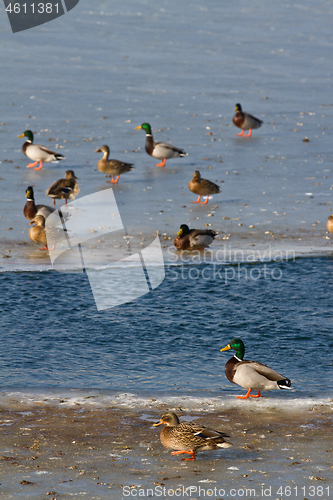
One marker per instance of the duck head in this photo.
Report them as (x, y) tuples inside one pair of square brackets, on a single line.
[(103, 149), (184, 229), (28, 134), (69, 174), (29, 193), (146, 127), (39, 220), (170, 419), (196, 176), (238, 346)]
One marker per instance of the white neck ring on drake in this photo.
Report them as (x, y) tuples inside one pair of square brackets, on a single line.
[(238, 359)]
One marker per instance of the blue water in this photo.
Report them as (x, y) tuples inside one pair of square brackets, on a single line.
[(168, 341)]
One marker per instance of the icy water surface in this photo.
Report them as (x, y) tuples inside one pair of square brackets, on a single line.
[(168, 341), (81, 388)]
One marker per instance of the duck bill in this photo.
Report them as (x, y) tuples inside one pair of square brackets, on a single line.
[(226, 348), (19, 136), (97, 151), (136, 128), (158, 423), (180, 232), (32, 222)]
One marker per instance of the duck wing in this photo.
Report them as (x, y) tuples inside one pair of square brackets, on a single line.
[(166, 150), (261, 369), (207, 433)]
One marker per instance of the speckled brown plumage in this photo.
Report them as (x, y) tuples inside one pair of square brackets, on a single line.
[(202, 187), (189, 438), (66, 188), (110, 167)]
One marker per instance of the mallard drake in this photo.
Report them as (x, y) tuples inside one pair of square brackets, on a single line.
[(36, 152), (189, 438), (329, 224), (252, 375), (193, 239), (245, 121), (30, 209), (161, 150), (202, 187), (64, 188), (37, 233), (112, 168)]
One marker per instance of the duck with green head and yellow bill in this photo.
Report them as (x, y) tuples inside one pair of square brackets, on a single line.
[(329, 224), (36, 152), (252, 375), (160, 150), (30, 209), (245, 121), (189, 438), (193, 239)]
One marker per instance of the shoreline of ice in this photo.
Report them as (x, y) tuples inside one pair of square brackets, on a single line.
[(18, 259), (99, 399)]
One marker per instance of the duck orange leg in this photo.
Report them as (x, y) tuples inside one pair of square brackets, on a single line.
[(204, 202), (114, 180), (32, 164), (249, 396), (188, 452), (45, 248), (53, 201), (40, 166), (249, 134), (241, 134), (198, 200), (162, 164)]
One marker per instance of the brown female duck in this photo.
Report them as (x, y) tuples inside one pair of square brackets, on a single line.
[(64, 188), (189, 438), (202, 187), (329, 224), (112, 168), (37, 233)]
